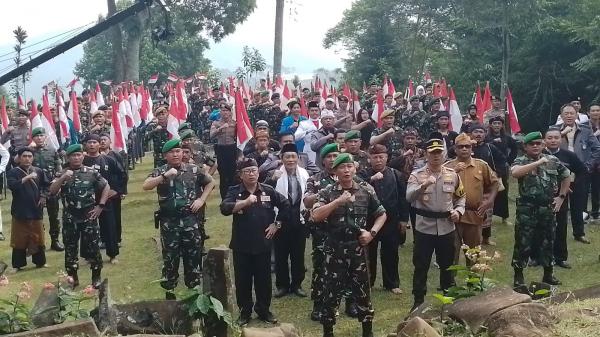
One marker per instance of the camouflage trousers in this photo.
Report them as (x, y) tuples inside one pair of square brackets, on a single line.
[(535, 227), (81, 232), (346, 268), (318, 263), (181, 238)]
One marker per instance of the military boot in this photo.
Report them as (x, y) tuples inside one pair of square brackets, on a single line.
[(519, 279), (549, 277), (328, 330), (56, 245), (351, 309), (170, 295), (315, 315), (96, 278), (367, 329)]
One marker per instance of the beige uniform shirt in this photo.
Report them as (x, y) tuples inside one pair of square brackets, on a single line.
[(445, 195)]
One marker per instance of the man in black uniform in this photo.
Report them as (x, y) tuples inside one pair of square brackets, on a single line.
[(254, 225), (109, 170)]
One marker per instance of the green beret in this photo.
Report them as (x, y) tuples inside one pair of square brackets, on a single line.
[(38, 131), (170, 145), (185, 134), (352, 134), (74, 148), (342, 158), (531, 137), (184, 126), (327, 149)]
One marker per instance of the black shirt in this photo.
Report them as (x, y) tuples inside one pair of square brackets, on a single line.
[(26, 196), (570, 160), (391, 191), (493, 157), (108, 169), (504, 143), (250, 223)]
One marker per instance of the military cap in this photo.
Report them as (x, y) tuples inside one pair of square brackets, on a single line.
[(91, 136), (435, 100), (530, 137), (38, 131), (575, 99), (434, 144), (184, 126), (74, 148), (476, 126), (398, 94), (327, 149), (342, 159), (378, 149), (463, 139), (264, 93), (443, 114), (185, 134), (496, 119), (291, 147), (246, 162), (386, 113), (352, 134), (330, 99), (98, 112), (262, 123), (171, 144)]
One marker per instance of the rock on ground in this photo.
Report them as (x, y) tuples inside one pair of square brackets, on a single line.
[(417, 327), (84, 327), (284, 330), (46, 308), (521, 320)]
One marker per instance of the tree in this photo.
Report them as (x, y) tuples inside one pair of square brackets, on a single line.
[(278, 45), (20, 35), (252, 63)]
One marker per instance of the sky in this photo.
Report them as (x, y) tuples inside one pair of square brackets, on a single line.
[(304, 31)]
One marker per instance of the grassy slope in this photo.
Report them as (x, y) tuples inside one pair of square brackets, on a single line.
[(140, 264)]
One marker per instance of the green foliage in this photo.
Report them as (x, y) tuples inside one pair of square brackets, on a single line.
[(15, 314), (207, 309), (252, 63), (70, 303)]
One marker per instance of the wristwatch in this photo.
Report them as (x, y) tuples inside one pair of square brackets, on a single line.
[(373, 233), (103, 206), (278, 224), (562, 196), (163, 176)]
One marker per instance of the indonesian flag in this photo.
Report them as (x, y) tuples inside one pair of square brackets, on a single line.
[(346, 91), (117, 137), (93, 103), (454, 110), (48, 123), (62, 116), (3, 115), (303, 109), (443, 88), (73, 112), (391, 87), (385, 86), (107, 82), (182, 103), (286, 95), (410, 90), (135, 108), (427, 78), (513, 119), (20, 103), (173, 119), (479, 103), (73, 82), (128, 114), (378, 109), (36, 121), (231, 85), (172, 77), (355, 103), (99, 96), (148, 99), (242, 123), (153, 79), (487, 98)]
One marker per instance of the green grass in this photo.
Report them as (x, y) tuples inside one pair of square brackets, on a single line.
[(140, 264)]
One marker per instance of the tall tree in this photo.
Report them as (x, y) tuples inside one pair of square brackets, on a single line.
[(278, 45)]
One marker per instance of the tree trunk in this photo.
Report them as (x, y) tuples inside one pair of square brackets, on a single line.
[(278, 45), (117, 45), (132, 50), (505, 57)]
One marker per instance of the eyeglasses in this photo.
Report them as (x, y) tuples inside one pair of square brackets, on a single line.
[(463, 146), (250, 171)]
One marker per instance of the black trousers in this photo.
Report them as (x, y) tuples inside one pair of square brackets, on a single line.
[(578, 203), (117, 211), (390, 242), (52, 207), (252, 269), (19, 257), (560, 240), (425, 246), (501, 202), (290, 243), (595, 191), (108, 233), (226, 161)]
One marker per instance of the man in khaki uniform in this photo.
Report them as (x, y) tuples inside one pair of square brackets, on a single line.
[(481, 186), (437, 197)]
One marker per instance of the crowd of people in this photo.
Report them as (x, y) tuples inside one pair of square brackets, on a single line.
[(351, 184)]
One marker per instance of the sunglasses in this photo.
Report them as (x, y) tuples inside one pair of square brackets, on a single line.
[(463, 146)]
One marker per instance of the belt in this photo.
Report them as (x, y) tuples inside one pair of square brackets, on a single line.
[(430, 214), (534, 201)]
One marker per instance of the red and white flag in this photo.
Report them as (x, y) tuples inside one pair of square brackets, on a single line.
[(454, 110), (513, 119), (242, 123), (385, 87), (135, 108), (478, 101), (62, 116), (148, 99), (427, 78), (172, 77), (410, 90), (173, 118), (303, 108), (286, 95), (123, 116), (73, 82), (117, 137), (48, 123), (4, 115), (20, 104), (378, 109), (73, 112), (355, 103), (93, 103), (99, 96), (182, 103), (36, 121), (391, 87), (487, 98), (153, 79)]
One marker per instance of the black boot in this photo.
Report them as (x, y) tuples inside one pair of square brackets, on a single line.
[(170, 295), (351, 310), (519, 279), (327, 330), (549, 277), (315, 315), (75, 278), (96, 278), (56, 245), (367, 329)]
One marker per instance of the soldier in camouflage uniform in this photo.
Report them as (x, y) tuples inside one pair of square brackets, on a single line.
[(100, 126), (48, 160), (343, 210), (352, 143), (156, 131), (275, 116), (259, 111), (388, 135), (543, 184), (199, 152), (411, 118), (85, 193), (182, 192)]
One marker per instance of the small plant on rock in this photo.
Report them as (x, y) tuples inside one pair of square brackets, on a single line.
[(14, 314), (208, 310), (474, 277)]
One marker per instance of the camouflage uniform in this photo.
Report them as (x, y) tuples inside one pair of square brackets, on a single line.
[(393, 142), (48, 160), (258, 112), (535, 219), (179, 228), (362, 158), (345, 259), (158, 138), (79, 195), (410, 119), (427, 126), (274, 117)]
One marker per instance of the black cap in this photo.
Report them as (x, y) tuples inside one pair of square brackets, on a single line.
[(291, 147)]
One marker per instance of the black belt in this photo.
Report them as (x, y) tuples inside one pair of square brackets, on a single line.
[(430, 214), (534, 201)]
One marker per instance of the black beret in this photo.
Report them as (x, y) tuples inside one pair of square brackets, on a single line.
[(91, 136), (291, 147), (313, 104), (246, 162)]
